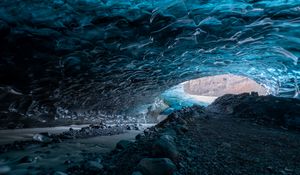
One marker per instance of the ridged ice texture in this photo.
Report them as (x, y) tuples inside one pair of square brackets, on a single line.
[(115, 54)]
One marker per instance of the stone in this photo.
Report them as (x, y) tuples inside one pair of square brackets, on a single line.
[(4, 29), (67, 162), (93, 166), (129, 127), (291, 121), (136, 127), (139, 136), (136, 173), (168, 138), (182, 128), (165, 147), (146, 131), (26, 159), (156, 166), (163, 116), (123, 144), (169, 131), (97, 126), (254, 94), (180, 120), (59, 173), (58, 2), (11, 125), (4, 169), (46, 117), (227, 145), (42, 137)]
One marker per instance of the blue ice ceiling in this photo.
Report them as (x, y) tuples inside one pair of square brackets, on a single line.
[(113, 55)]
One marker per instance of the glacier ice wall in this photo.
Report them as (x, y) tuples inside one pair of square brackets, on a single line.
[(112, 55)]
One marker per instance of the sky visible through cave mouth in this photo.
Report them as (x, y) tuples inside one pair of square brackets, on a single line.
[(112, 56)]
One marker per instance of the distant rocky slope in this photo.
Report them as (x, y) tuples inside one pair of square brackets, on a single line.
[(219, 85)]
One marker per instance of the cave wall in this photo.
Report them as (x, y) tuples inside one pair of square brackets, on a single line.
[(112, 55)]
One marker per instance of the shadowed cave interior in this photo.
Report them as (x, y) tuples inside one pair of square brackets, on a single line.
[(149, 87)]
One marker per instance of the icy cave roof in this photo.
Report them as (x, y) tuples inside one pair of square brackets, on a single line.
[(114, 55)]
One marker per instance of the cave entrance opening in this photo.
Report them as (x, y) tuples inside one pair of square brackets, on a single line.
[(203, 91), (207, 89)]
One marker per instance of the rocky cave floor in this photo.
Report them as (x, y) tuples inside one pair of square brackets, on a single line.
[(237, 134)]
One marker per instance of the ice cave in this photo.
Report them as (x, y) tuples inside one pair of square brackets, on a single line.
[(149, 87)]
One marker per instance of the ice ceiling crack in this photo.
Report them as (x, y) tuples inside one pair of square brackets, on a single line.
[(111, 56)]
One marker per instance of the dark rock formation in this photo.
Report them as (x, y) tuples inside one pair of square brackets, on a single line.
[(156, 166), (165, 147), (123, 144), (268, 110), (222, 139), (43, 138)]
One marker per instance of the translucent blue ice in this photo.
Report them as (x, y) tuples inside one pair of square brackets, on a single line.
[(115, 54)]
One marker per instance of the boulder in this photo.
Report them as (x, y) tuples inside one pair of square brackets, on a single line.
[(165, 147), (139, 136), (137, 173), (156, 166), (42, 137), (26, 159), (123, 144), (169, 131), (182, 129), (93, 166), (60, 173), (4, 169)]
